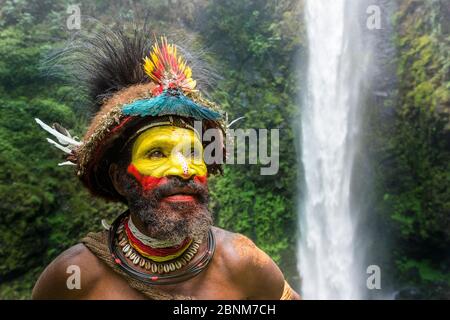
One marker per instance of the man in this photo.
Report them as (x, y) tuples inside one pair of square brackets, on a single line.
[(144, 148)]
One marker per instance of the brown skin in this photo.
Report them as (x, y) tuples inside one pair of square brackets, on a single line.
[(238, 270)]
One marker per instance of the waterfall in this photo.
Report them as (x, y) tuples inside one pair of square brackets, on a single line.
[(329, 259)]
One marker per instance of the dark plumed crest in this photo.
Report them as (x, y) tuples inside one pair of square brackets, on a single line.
[(114, 62)]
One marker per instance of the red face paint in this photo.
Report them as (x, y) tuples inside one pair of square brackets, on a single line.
[(147, 182), (200, 179)]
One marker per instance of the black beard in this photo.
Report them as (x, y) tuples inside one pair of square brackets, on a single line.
[(171, 221)]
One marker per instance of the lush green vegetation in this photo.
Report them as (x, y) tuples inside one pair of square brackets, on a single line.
[(253, 45), (413, 150)]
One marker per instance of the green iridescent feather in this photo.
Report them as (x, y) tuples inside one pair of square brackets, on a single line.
[(170, 102)]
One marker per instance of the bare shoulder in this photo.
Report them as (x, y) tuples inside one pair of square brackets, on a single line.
[(56, 282), (249, 265)]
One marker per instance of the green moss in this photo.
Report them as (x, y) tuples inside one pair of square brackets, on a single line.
[(427, 271)]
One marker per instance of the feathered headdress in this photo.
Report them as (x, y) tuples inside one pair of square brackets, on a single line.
[(164, 93), (173, 82), (167, 69)]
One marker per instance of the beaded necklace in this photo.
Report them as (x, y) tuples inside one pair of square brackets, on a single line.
[(183, 264)]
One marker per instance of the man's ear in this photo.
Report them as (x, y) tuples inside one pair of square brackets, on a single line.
[(114, 175)]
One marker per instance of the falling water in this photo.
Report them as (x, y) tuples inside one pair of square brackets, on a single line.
[(329, 261)]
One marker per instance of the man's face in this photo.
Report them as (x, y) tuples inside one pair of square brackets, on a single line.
[(165, 184), (167, 151)]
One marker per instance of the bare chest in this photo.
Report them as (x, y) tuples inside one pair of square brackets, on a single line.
[(212, 283)]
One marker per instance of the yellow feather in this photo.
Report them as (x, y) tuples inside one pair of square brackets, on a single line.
[(148, 64), (174, 51), (154, 58), (188, 72), (181, 66)]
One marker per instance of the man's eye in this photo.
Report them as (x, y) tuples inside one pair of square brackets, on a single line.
[(155, 154)]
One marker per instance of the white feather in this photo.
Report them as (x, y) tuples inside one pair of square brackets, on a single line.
[(61, 138), (60, 147), (66, 163), (105, 224), (234, 121)]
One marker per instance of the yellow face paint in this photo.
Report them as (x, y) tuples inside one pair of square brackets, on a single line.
[(168, 151)]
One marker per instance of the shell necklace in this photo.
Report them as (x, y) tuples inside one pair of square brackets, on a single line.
[(155, 259), (153, 272)]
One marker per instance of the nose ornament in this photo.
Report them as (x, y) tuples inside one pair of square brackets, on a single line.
[(184, 163)]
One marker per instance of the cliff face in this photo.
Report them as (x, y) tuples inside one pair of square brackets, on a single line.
[(423, 66), (410, 140)]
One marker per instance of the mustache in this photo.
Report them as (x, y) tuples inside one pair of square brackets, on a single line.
[(177, 185)]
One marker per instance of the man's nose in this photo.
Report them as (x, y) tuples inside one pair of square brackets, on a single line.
[(180, 166)]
